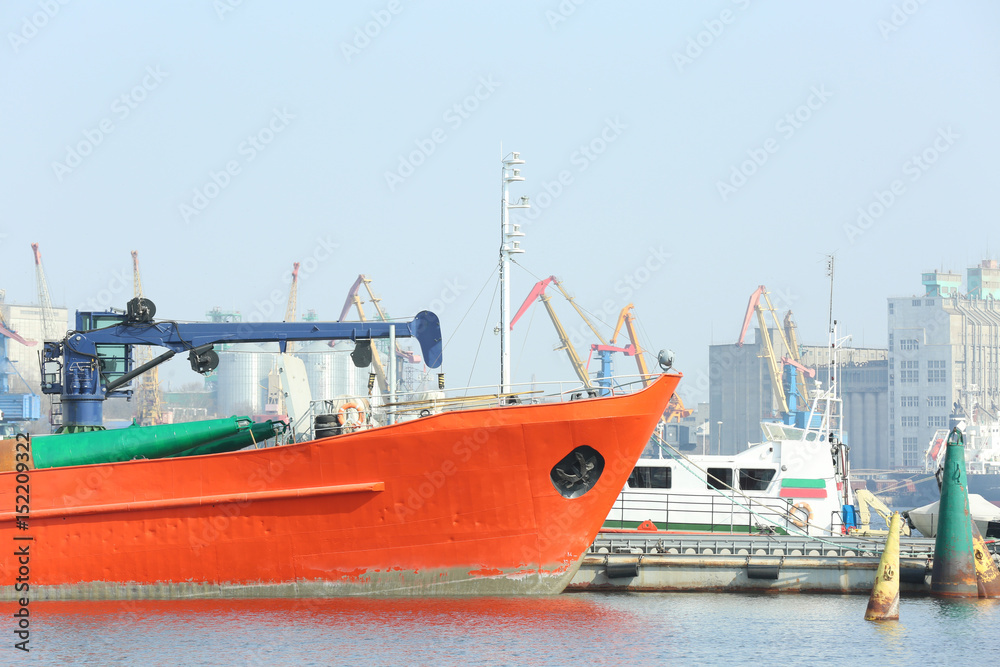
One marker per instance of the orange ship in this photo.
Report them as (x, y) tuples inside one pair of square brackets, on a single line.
[(500, 500)]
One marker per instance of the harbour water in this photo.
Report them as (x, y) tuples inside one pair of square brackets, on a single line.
[(578, 629)]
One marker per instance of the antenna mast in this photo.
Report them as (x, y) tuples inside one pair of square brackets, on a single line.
[(509, 245)]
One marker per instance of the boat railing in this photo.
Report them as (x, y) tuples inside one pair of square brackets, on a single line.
[(347, 413), (705, 513)]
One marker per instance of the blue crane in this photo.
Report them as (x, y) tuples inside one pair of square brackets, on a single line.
[(94, 362)]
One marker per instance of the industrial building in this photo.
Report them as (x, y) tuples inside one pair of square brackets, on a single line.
[(944, 355), (28, 321), (864, 386), (741, 395)]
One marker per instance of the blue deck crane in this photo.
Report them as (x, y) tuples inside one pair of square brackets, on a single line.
[(94, 362)]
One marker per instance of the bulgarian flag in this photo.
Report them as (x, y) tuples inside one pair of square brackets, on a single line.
[(803, 488)]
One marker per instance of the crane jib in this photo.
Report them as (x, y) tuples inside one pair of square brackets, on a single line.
[(91, 363)]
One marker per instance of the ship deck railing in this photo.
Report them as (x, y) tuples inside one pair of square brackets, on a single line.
[(382, 409), (841, 546), (725, 511)]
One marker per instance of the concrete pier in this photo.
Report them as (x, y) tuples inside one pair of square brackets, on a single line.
[(694, 562)]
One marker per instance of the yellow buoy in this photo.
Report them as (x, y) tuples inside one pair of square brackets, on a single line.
[(883, 605), (987, 574)]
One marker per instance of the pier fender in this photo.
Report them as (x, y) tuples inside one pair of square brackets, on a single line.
[(914, 575), (622, 569), (764, 570)]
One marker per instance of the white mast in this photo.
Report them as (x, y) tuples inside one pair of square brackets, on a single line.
[(509, 245)]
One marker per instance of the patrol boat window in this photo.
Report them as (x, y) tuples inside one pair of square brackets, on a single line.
[(756, 479), (720, 478), (648, 477)]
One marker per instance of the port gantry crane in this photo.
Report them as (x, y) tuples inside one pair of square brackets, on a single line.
[(148, 409), (293, 298), (538, 292), (792, 401), (354, 299), (675, 408), (50, 328)]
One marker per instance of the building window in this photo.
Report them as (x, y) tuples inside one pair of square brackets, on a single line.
[(890, 308), (908, 344), (937, 421), (909, 401), (720, 478), (928, 302), (912, 421), (650, 478), (915, 302), (936, 401), (910, 452), (756, 479), (909, 373), (936, 371)]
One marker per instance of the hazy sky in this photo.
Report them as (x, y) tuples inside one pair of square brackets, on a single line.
[(704, 148)]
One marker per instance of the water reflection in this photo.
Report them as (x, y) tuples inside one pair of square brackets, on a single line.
[(589, 628), (963, 609), (514, 630)]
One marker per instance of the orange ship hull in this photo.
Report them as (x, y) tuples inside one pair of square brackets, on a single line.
[(462, 502)]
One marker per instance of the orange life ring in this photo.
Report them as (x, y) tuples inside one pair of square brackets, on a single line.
[(794, 514), (344, 417)]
